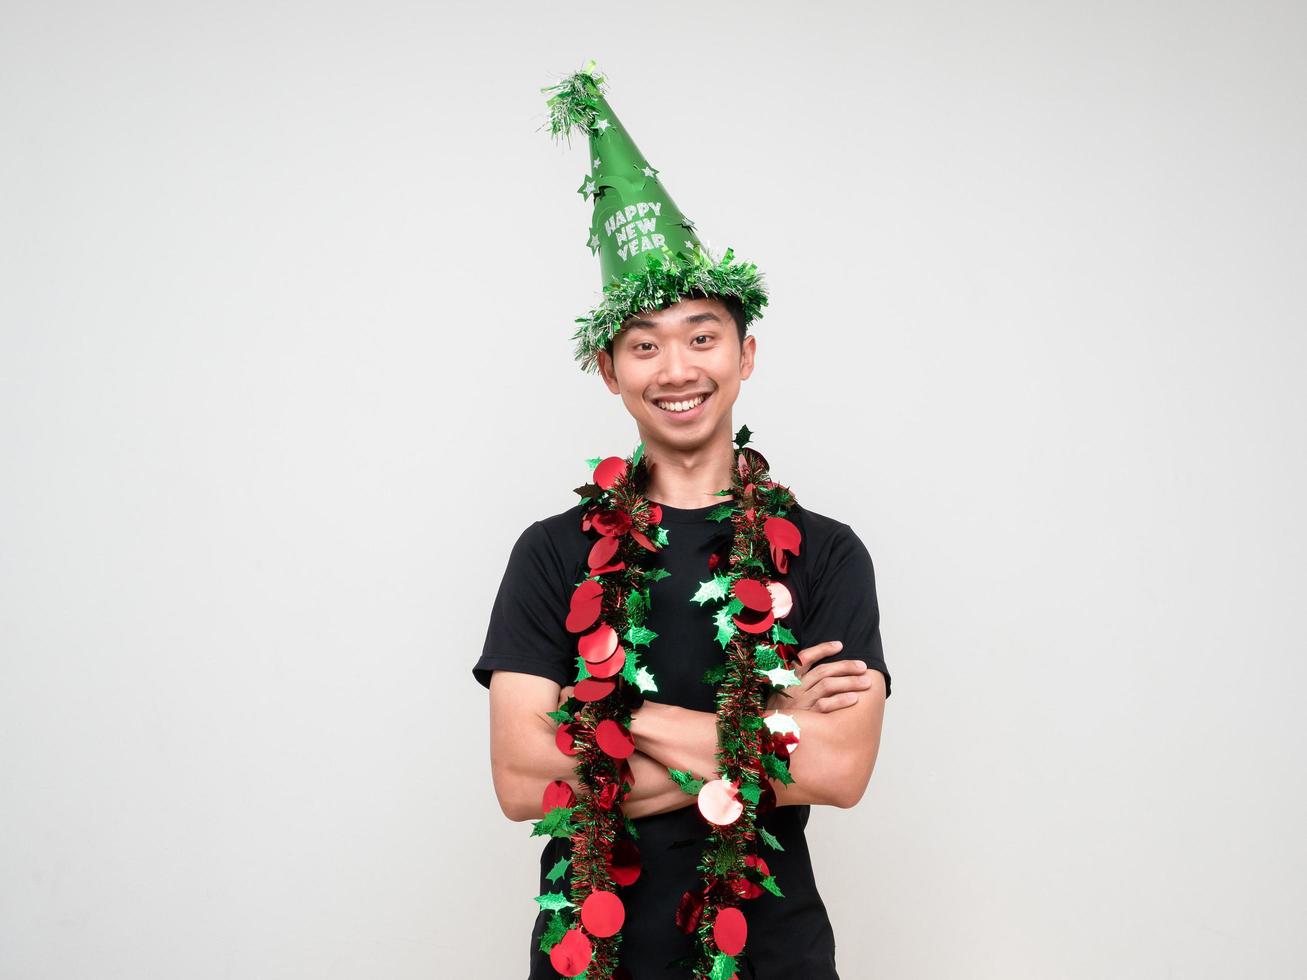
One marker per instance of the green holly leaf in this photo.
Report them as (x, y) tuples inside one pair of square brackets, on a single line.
[(553, 901), (751, 792), (644, 680), (639, 636), (560, 715), (582, 671), (588, 490), (592, 463), (781, 635), (726, 858), (656, 574), (715, 675), (770, 884), (725, 634), (721, 512), (768, 838), (715, 589), (725, 627), (556, 823), (777, 768), (637, 602), (723, 967), (630, 827), (765, 657), (555, 931), (559, 869), (743, 436), (629, 666), (686, 780), (781, 677), (660, 536), (635, 456)]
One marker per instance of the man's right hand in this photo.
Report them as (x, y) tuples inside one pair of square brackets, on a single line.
[(825, 687)]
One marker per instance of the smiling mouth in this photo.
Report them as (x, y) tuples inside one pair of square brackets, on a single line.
[(683, 406)]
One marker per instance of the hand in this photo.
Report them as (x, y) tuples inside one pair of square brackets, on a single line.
[(825, 687), (564, 694)]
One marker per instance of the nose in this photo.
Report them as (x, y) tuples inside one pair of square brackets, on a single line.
[(676, 369)]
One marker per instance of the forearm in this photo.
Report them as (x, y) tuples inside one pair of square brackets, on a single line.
[(824, 767), (525, 762), (653, 790), (535, 760), (676, 737)]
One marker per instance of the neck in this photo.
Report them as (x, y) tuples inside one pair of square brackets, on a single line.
[(690, 478)]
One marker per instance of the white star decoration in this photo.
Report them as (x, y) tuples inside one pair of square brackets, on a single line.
[(590, 187), (596, 162), (649, 171), (601, 124), (594, 241)]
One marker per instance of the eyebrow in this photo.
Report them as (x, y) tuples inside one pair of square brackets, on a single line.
[(639, 324)]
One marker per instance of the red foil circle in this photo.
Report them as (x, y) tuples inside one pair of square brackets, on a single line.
[(756, 625), (753, 594), (602, 551), (625, 864), (602, 914), (558, 793), (613, 739), (719, 802), (571, 954), (781, 600), (587, 602), (598, 645), (563, 739), (592, 689), (609, 471), (610, 667), (730, 930)]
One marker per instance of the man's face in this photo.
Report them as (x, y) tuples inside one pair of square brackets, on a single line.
[(688, 354)]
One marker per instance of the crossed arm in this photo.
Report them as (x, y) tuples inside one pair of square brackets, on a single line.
[(839, 708)]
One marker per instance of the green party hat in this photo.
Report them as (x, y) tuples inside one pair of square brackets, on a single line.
[(649, 254)]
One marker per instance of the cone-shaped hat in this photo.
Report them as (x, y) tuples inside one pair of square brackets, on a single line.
[(649, 255)]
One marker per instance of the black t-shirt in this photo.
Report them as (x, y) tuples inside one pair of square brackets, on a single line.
[(833, 585)]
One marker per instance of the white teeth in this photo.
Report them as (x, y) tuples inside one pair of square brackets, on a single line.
[(680, 406)]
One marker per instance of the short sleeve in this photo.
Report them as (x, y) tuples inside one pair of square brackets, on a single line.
[(843, 604), (527, 632)]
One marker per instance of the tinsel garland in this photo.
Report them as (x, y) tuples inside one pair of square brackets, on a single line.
[(608, 611)]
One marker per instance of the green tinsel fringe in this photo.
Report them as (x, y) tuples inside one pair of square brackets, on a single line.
[(573, 105), (664, 281)]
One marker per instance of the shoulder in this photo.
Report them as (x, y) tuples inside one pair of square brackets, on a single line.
[(554, 543), (562, 531), (821, 532)]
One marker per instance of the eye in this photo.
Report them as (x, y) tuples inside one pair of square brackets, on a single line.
[(704, 336), (644, 344)]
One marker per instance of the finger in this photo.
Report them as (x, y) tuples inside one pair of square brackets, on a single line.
[(834, 668), (837, 701), (809, 655), (838, 685)]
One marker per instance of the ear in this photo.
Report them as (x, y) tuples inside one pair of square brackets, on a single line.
[(747, 352), (607, 371)]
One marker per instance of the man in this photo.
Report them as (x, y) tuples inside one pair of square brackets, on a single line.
[(678, 366)]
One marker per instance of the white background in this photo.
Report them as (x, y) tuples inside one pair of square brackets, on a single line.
[(285, 296)]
